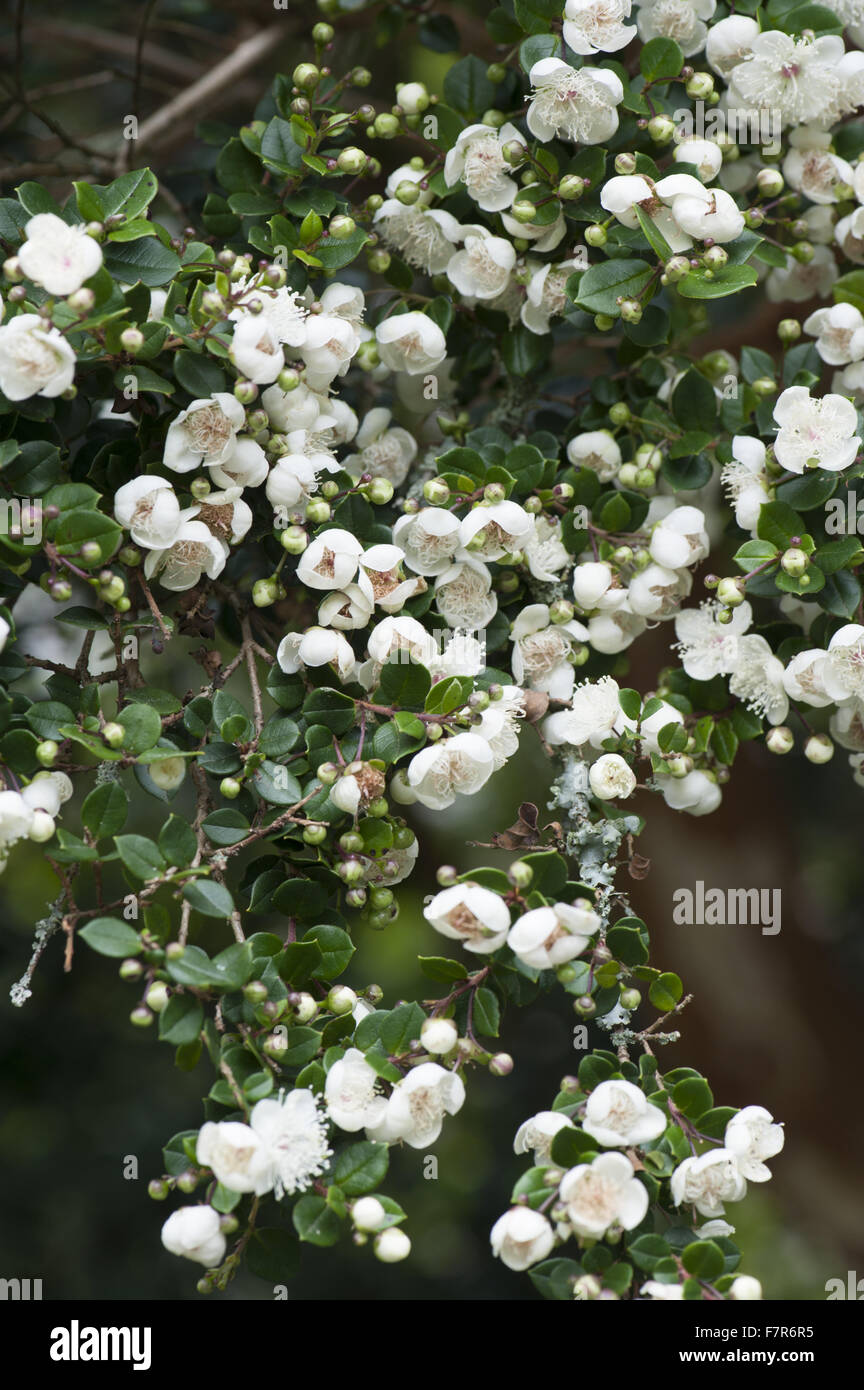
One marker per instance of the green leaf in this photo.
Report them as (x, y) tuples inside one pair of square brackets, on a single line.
[(142, 727), (140, 856), (604, 284), (660, 58), (178, 842), (405, 683), (441, 968), (467, 88), (146, 260), (198, 374), (692, 1096), (778, 523), (209, 898), (703, 1259), (360, 1168), (693, 402), (111, 937), (487, 1013), (181, 1020), (104, 810), (728, 280), (336, 949), (535, 16), (666, 991), (445, 696), (523, 351), (314, 1221)]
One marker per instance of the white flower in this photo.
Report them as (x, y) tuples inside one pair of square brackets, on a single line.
[(802, 678), (708, 1181), (535, 1135), (611, 777), (797, 282), (429, 539), (380, 578), (168, 773), (350, 1093), (291, 481), (410, 343), (332, 339), (544, 551), (546, 292), (810, 167), (255, 349), (602, 1194), (541, 651), (16, 818), (463, 595), (317, 646), (331, 560), (149, 510), (385, 450), (458, 765), (839, 333), (195, 1233), (226, 514), (346, 609), (594, 714), (617, 1114), (681, 20), (245, 466), (300, 409), (423, 237), (204, 433), (5, 629), (596, 26), (494, 530), (193, 550), (47, 792), (284, 310), (482, 269), (597, 450), (230, 1148), (550, 936), (701, 212), (752, 1136), (573, 104), (624, 192), (417, 1105), (745, 1289), (34, 360), (729, 42), (477, 161), (696, 793), (499, 724), (802, 80), (544, 236), (757, 679), (680, 538), (843, 670), (293, 1142), (745, 480), (398, 634), (521, 1237), (709, 648), (471, 914), (58, 257), (656, 591), (704, 154), (439, 1036), (611, 633)]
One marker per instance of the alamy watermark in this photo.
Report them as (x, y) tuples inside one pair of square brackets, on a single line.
[(742, 125), (722, 907)]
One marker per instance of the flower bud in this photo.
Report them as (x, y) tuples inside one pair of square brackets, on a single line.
[(439, 1035), (157, 996), (570, 188), (368, 1214), (341, 1000), (780, 739), (391, 1246), (731, 592), (501, 1064), (819, 749)]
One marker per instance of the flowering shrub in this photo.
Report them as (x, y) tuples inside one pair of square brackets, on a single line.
[(336, 445)]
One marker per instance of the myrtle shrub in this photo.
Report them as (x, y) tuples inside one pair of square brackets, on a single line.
[(406, 453)]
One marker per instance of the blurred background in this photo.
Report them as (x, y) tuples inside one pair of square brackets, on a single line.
[(774, 1021)]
